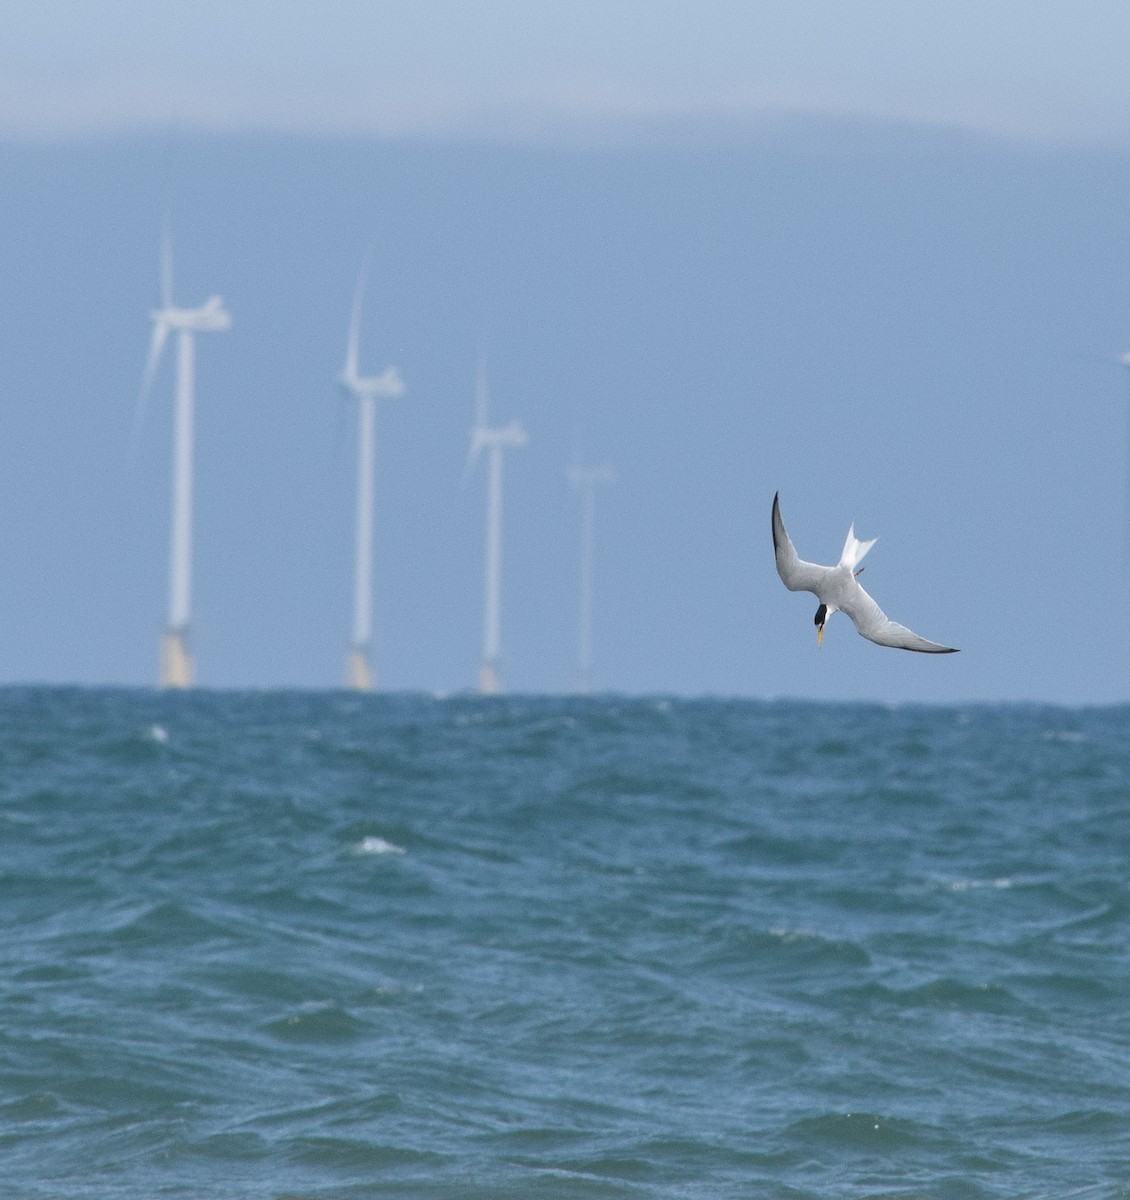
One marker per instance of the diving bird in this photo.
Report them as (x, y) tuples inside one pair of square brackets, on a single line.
[(838, 590)]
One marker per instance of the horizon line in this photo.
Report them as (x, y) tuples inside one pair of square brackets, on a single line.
[(469, 692), (564, 129)]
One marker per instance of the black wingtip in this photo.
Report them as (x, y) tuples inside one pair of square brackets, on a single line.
[(776, 513)]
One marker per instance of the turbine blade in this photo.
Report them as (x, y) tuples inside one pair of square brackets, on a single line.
[(166, 268), (482, 396), (352, 345), (473, 452), (341, 422), (156, 346)]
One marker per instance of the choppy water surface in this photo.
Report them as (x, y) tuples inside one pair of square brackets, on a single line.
[(282, 946)]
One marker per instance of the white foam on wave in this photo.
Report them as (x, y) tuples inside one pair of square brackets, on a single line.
[(378, 845), (157, 733), (972, 885)]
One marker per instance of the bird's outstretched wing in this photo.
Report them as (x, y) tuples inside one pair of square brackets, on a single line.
[(870, 621), (796, 574)]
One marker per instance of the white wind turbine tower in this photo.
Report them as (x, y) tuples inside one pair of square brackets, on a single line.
[(177, 668), (494, 441), (586, 480), (365, 389)]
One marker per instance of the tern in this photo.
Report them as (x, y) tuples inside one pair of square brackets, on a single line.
[(838, 590)]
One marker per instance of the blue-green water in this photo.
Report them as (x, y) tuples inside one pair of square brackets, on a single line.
[(318, 946)]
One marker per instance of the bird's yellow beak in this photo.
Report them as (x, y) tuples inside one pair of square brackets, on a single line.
[(819, 634)]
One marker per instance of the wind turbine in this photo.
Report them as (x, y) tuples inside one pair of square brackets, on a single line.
[(365, 389), (177, 668), (586, 480), (494, 441)]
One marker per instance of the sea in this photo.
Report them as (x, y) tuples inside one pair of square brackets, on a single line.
[(320, 946)]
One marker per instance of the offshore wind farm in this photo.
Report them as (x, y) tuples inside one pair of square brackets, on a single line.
[(177, 666)]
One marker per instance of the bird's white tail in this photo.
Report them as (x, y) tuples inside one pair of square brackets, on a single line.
[(854, 549)]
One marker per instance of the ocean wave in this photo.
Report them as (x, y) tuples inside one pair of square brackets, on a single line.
[(780, 950), (945, 993), (371, 844), (867, 1133), (317, 1022)]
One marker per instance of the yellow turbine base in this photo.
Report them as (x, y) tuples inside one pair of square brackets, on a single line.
[(489, 684), (359, 671), (177, 667)]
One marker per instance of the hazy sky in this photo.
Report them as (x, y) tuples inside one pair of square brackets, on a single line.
[(1030, 68), (877, 309)]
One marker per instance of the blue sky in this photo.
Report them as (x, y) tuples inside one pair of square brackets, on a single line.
[(871, 255), (1025, 68)]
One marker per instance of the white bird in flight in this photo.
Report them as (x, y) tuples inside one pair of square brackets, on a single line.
[(838, 590)]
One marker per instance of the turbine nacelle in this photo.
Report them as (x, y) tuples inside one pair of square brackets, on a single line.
[(210, 317), (510, 435), (213, 317), (388, 383), (487, 439)]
